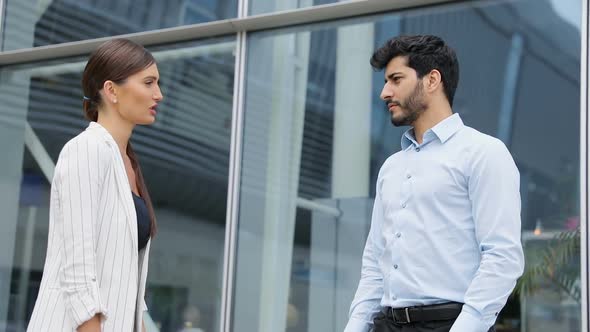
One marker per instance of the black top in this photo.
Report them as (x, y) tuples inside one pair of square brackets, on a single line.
[(143, 221)]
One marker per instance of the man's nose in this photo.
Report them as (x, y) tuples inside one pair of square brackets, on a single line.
[(386, 93)]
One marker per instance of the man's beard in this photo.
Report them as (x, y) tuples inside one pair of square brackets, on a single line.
[(411, 108)]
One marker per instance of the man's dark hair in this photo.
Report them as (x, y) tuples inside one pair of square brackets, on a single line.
[(424, 53)]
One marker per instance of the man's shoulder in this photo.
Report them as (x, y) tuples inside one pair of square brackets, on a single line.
[(390, 160), (481, 146), (396, 156), (478, 139)]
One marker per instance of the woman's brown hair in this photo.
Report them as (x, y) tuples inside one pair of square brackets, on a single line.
[(116, 60)]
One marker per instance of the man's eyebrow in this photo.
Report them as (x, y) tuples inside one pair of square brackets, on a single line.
[(151, 77), (390, 76)]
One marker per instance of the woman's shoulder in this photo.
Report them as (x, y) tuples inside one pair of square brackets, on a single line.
[(86, 146), (87, 140), (85, 154)]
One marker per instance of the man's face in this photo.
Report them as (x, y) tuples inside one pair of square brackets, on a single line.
[(403, 93)]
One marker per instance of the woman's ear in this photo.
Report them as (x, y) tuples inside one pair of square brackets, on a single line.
[(110, 91)]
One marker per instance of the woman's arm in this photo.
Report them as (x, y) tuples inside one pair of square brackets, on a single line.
[(92, 325), (79, 176)]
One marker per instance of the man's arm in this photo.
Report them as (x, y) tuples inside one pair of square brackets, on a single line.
[(370, 289), (494, 184)]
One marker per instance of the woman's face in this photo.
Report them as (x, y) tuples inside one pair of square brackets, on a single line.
[(138, 97)]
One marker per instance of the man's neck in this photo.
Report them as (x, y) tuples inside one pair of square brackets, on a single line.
[(428, 119)]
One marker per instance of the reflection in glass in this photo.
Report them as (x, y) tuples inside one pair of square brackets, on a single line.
[(36, 23), (269, 6), (185, 160), (316, 135), (31, 236)]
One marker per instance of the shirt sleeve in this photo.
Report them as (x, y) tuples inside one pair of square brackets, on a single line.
[(494, 183), (78, 185), (367, 300)]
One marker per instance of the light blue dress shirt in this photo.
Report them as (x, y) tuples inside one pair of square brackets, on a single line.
[(445, 227)]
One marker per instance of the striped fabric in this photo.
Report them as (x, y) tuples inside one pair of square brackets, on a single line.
[(92, 264)]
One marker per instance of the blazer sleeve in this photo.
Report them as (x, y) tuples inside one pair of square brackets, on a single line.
[(79, 179)]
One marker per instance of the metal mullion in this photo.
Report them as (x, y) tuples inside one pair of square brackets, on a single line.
[(2, 23), (233, 190), (233, 186), (584, 142)]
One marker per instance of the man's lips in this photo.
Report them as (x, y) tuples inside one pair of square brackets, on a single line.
[(390, 106)]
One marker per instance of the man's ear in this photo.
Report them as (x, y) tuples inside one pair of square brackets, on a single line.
[(433, 80)]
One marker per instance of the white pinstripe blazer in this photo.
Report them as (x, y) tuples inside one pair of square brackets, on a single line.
[(92, 264)]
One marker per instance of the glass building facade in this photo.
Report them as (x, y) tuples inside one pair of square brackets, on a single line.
[(263, 160)]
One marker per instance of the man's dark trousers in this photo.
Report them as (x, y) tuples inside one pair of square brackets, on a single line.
[(384, 323)]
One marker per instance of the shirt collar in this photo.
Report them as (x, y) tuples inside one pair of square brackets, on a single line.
[(443, 130), (103, 131)]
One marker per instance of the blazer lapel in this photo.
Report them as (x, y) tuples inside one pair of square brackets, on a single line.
[(122, 182)]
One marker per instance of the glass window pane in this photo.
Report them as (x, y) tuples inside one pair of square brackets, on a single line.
[(184, 158), (270, 6), (30, 23), (316, 134), (12, 145), (30, 238)]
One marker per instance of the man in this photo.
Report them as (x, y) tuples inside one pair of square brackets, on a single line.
[(443, 252)]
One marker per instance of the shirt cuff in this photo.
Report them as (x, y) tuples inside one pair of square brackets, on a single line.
[(357, 325), (84, 303), (469, 321)]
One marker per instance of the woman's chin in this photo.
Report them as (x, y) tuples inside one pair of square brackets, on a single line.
[(147, 121)]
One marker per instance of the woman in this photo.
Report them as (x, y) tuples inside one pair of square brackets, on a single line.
[(101, 216)]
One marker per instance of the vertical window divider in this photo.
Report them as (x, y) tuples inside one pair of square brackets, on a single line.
[(584, 248), (2, 23), (233, 189)]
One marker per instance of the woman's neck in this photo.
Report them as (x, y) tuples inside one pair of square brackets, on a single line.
[(119, 129)]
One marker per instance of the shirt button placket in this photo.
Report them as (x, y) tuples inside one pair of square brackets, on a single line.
[(407, 185)]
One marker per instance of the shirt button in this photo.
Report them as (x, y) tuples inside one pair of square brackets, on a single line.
[(417, 149), (398, 234), (404, 205), (409, 176), (395, 266)]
